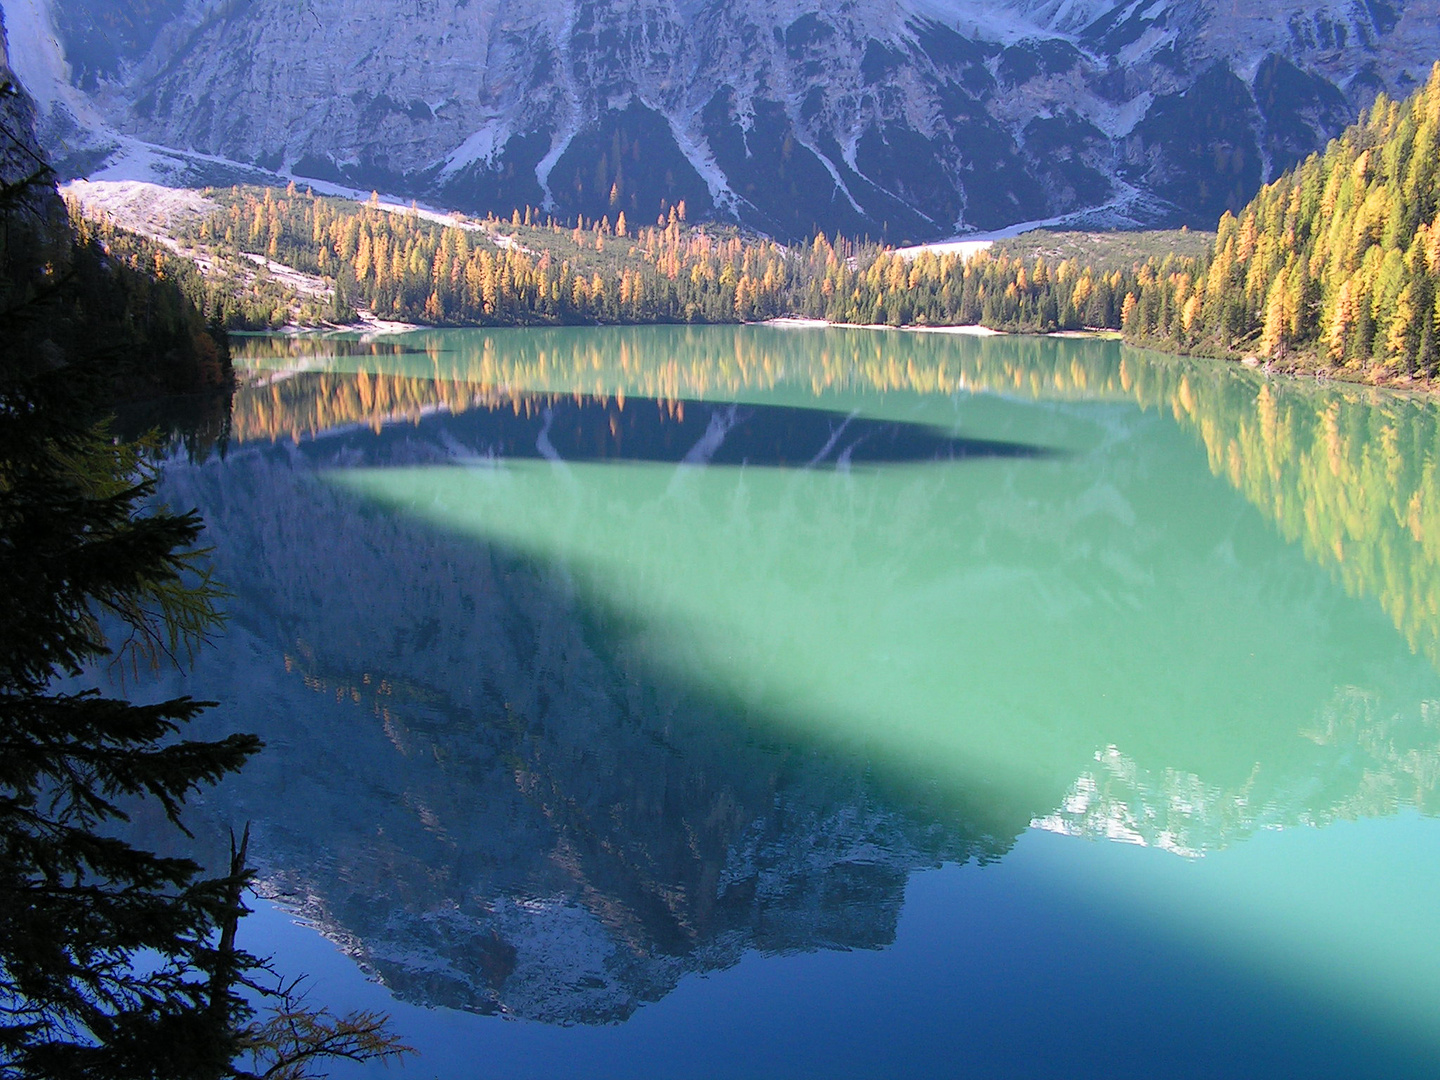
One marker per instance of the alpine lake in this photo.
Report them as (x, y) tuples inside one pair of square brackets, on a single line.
[(739, 702)]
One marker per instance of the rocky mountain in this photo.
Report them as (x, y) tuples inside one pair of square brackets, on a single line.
[(24, 176), (904, 118), (18, 152)]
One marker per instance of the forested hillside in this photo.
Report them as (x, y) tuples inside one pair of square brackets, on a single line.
[(526, 272), (1334, 266), (76, 288)]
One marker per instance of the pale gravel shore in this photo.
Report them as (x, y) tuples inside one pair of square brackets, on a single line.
[(789, 323), (367, 325), (370, 325), (969, 330), (966, 249)]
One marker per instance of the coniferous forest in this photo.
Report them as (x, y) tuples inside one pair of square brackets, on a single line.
[(527, 272), (1333, 266)]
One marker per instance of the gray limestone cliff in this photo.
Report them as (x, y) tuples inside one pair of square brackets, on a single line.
[(909, 119)]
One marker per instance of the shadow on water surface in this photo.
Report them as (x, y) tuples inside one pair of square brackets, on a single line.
[(581, 428), (544, 744)]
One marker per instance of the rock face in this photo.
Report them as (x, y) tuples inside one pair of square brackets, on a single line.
[(21, 156), (903, 118)]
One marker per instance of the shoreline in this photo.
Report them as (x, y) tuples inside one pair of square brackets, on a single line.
[(371, 326), (791, 322), (368, 324)]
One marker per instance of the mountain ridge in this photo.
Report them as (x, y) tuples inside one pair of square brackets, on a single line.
[(903, 119)]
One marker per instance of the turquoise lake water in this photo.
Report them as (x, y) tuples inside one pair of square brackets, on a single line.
[(750, 702)]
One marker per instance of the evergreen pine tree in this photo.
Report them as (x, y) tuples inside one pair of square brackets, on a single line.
[(114, 961), (81, 555)]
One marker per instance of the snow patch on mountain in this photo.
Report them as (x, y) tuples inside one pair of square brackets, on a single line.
[(703, 162), (480, 148), (985, 23)]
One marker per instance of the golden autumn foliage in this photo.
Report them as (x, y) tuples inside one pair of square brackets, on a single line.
[(1332, 267), (454, 271)]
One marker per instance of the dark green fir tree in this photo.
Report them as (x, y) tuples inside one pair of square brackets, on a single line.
[(115, 962)]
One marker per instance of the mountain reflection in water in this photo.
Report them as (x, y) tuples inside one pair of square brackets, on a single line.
[(544, 738), (583, 428)]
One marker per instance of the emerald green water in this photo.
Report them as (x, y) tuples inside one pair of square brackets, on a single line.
[(625, 683)]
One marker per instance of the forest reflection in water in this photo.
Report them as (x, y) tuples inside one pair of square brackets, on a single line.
[(606, 721), (1351, 473)]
